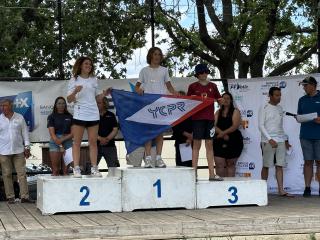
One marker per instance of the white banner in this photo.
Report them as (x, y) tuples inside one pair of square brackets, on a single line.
[(34, 100), (249, 95)]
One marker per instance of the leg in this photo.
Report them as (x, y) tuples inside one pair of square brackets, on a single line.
[(279, 177), (318, 172), (195, 152), (231, 167), (210, 159), (159, 144), (92, 139), (19, 162), (111, 156), (77, 132), (220, 166), (55, 158), (308, 172), (6, 165), (264, 173), (147, 148)]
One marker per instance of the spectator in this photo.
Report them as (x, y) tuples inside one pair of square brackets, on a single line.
[(59, 126), (228, 142), (274, 142), (108, 129), (14, 149), (310, 132), (182, 133), (154, 79), (203, 121)]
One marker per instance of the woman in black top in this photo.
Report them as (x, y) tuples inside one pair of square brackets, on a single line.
[(59, 125), (228, 141)]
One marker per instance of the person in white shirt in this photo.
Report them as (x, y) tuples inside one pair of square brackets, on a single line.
[(154, 79), (14, 149), (83, 92), (274, 141)]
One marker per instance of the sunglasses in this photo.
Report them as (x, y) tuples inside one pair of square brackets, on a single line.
[(202, 72)]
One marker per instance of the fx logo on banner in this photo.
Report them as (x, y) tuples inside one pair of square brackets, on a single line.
[(22, 103)]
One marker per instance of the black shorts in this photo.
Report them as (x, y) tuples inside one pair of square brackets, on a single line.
[(202, 129), (84, 123)]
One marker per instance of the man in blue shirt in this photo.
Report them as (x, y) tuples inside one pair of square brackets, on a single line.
[(310, 131)]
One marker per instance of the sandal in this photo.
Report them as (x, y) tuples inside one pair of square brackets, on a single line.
[(215, 178)]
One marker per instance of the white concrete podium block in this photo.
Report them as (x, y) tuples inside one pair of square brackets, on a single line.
[(69, 194), (231, 191), (148, 188)]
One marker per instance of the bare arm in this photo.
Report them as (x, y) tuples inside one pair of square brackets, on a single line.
[(138, 88), (72, 97), (171, 89)]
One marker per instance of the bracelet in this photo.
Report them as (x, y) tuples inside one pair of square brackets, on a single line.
[(27, 147)]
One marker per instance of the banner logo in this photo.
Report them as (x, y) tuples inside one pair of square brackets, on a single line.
[(23, 104)]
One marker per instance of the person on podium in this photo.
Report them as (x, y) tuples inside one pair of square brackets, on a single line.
[(154, 79), (274, 141), (203, 121), (14, 149), (83, 92)]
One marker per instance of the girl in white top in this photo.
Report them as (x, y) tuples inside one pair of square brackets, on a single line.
[(154, 79), (83, 91)]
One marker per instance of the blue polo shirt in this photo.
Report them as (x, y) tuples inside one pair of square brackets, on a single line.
[(308, 104)]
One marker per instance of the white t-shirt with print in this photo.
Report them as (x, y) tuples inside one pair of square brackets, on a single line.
[(154, 80), (85, 106)]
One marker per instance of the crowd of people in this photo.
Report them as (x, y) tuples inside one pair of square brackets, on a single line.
[(219, 130)]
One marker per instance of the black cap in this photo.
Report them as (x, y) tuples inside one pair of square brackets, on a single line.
[(309, 80), (200, 68)]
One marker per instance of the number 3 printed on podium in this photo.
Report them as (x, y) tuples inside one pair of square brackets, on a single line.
[(233, 190), (83, 200)]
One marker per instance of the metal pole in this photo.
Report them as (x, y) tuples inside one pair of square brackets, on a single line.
[(59, 19), (152, 21)]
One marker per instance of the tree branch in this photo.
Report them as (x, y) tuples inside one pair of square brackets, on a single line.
[(303, 55)]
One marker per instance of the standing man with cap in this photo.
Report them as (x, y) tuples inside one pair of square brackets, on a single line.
[(310, 131), (203, 121), (14, 149)]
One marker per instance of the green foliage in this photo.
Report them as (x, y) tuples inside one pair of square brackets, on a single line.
[(108, 31), (261, 37)]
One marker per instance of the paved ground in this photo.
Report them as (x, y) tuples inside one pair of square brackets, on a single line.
[(283, 218)]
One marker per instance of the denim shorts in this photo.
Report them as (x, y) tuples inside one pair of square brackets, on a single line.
[(310, 149), (53, 147)]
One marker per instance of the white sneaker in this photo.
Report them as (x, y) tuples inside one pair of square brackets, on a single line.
[(147, 162), (160, 163), (95, 172), (77, 172)]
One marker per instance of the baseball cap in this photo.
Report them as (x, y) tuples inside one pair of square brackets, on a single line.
[(201, 68), (309, 80)]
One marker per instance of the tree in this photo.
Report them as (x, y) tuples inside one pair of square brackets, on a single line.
[(108, 31), (247, 36)]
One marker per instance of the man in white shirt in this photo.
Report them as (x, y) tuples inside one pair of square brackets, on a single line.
[(274, 141), (14, 149)]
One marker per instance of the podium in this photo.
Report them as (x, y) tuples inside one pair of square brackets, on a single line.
[(150, 188), (128, 189), (231, 191), (69, 194)]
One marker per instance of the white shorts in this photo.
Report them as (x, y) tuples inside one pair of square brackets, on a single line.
[(273, 156)]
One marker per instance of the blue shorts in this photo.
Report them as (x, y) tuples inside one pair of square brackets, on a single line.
[(53, 147), (310, 149)]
